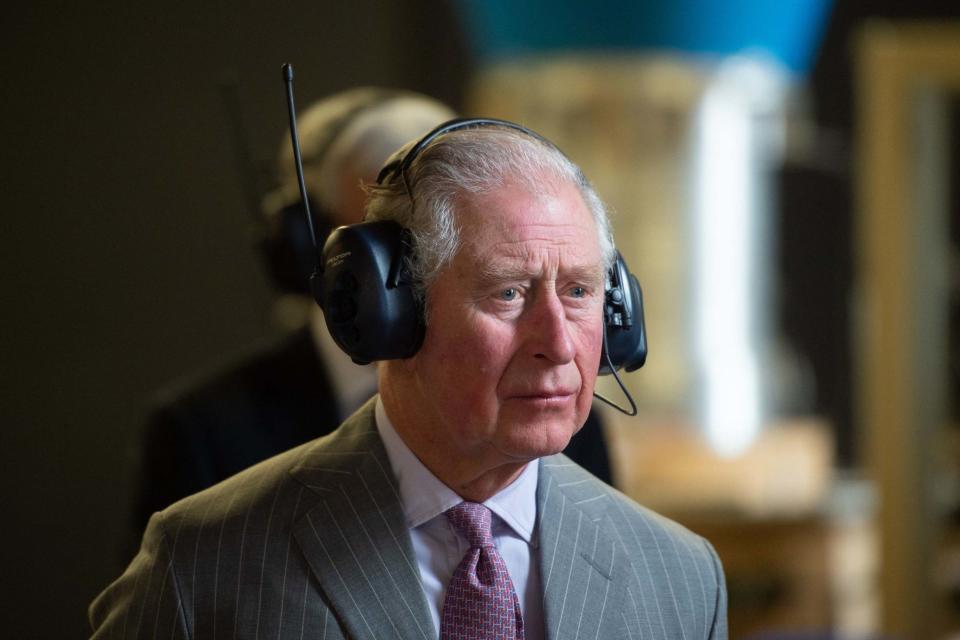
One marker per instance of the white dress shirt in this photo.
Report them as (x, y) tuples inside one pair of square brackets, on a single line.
[(438, 546)]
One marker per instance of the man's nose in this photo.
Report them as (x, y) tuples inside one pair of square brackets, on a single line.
[(549, 329)]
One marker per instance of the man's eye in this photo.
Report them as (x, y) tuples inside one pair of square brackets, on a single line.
[(508, 294), (578, 292)]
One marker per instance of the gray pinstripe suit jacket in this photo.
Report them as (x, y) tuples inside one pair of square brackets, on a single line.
[(313, 544)]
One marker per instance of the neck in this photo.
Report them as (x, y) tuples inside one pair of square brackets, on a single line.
[(475, 475), (488, 484)]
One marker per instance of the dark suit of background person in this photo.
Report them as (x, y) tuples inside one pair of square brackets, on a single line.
[(278, 395), (314, 543)]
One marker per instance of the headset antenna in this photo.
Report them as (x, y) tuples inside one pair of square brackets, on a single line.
[(295, 142)]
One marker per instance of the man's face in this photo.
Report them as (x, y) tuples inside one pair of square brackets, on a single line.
[(514, 327)]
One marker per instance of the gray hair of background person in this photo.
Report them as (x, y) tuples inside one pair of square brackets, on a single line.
[(473, 161), (353, 130)]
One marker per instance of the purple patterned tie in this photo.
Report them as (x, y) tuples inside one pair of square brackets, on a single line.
[(480, 603)]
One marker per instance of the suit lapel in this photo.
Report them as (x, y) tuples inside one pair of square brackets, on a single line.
[(581, 573), (355, 536)]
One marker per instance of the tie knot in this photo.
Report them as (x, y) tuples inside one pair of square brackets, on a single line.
[(472, 520)]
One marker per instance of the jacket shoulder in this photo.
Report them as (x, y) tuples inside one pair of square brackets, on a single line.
[(635, 526), (664, 566)]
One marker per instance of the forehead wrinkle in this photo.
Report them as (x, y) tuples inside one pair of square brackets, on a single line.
[(527, 267), (516, 239), (552, 232), (532, 238)]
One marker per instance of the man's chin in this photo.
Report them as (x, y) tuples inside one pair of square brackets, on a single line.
[(536, 439)]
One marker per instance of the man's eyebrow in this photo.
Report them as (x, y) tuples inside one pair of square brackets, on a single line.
[(495, 273), (584, 274), (498, 272)]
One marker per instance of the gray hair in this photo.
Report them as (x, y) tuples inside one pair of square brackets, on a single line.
[(473, 161)]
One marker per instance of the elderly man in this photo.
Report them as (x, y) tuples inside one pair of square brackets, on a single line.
[(442, 507)]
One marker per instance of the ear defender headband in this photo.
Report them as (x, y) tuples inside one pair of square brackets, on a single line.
[(400, 166), (367, 293)]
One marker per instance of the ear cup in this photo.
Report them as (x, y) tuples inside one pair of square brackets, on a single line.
[(367, 295), (625, 331), (288, 250)]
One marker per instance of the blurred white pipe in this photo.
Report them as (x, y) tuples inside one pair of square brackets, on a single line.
[(737, 136)]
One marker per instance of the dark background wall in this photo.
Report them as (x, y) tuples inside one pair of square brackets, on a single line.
[(127, 250)]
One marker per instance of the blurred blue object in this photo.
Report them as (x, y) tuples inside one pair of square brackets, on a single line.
[(787, 30)]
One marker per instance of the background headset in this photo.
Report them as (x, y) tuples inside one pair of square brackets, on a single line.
[(287, 245), (366, 292)]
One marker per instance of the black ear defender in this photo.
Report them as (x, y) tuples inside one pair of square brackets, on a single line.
[(625, 334), (367, 295), (286, 247), (366, 292)]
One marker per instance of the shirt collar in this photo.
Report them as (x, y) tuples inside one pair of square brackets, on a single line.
[(424, 496)]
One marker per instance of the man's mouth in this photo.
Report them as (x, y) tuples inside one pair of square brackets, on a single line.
[(546, 395)]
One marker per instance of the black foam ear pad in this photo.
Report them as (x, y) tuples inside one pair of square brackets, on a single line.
[(366, 293), (625, 331)]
